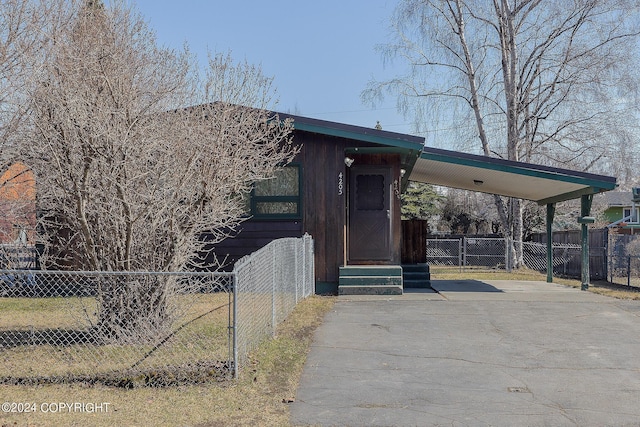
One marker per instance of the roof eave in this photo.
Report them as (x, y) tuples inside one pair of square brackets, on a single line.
[(583, 183), (357, 133)]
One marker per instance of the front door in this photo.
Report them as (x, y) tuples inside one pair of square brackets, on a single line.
[(370, 214)]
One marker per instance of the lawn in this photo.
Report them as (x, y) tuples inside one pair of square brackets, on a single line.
[(47, 338)]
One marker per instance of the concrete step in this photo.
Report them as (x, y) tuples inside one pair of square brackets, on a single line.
[(369, 290), (370, 280), (416, 276), (415, 268), (417, 284), (371, 270)]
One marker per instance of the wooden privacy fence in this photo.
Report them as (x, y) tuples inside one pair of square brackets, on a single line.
[(414, 241), (598, 251)]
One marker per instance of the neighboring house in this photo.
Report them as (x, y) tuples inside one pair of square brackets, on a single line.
[(344, 188), (17, 205), (17, 217), (622, 210)]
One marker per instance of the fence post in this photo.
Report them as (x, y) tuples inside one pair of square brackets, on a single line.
[(273, 291), (312, 266), (296, 248), (235, 325), (629, 270), (464, 253), (605, 243), (506, 253), (303, 247)]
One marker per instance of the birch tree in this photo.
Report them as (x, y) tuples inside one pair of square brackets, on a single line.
[(137, 156), (542, 81)]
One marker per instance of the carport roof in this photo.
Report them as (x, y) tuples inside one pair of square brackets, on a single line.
[(542, 184)]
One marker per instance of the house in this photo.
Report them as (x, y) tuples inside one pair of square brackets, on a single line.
[(344, 189), (17, 217), (622, 210), (17, 205)]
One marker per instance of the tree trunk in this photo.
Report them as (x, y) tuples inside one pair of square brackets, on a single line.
[(133, 309)]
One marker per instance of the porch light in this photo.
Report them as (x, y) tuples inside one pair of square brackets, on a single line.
[(348, 161)]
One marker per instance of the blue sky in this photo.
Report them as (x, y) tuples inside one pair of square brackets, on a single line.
[(320, 53)]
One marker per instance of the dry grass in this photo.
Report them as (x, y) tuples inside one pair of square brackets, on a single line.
[(260, 396), (201, 333)]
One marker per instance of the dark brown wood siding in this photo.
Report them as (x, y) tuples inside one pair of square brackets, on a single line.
[(252, 235), (323, 207), (414, 241)]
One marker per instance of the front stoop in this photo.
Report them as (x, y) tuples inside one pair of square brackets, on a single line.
[(370, 280)]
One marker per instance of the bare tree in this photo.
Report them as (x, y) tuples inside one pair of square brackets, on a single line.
[(21, 43), (137, 157), (18, 38), (541, 79)]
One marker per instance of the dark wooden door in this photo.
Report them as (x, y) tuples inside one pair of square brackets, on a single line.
[(370, 214)]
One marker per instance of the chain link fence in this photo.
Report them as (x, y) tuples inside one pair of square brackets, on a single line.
[(270, 283), (617, 260), (624, 270), (115, 328), (489, 253), (134, 329), (446, 252), (567, 258), (485, 252), (624, 260)]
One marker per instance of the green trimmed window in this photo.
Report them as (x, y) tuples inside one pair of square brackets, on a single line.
[(279, 197)]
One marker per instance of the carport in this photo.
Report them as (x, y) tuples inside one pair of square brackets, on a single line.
[(541, 184)]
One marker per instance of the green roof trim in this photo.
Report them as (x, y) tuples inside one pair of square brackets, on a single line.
[(572, 195), (600, 182), (357, 133)]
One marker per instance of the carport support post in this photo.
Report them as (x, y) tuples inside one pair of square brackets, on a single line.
[(585, 210), (551, 210)]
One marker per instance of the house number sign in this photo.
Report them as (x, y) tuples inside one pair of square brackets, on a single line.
[(340, 184)]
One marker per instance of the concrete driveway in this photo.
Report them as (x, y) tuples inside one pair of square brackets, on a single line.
[(499, 353)]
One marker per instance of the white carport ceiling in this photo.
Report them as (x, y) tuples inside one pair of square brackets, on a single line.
[(507, 178)]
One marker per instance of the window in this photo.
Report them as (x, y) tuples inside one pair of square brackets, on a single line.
[(279, 197), (627, 213)]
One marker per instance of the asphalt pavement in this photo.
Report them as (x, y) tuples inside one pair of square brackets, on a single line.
[(474, 353)]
